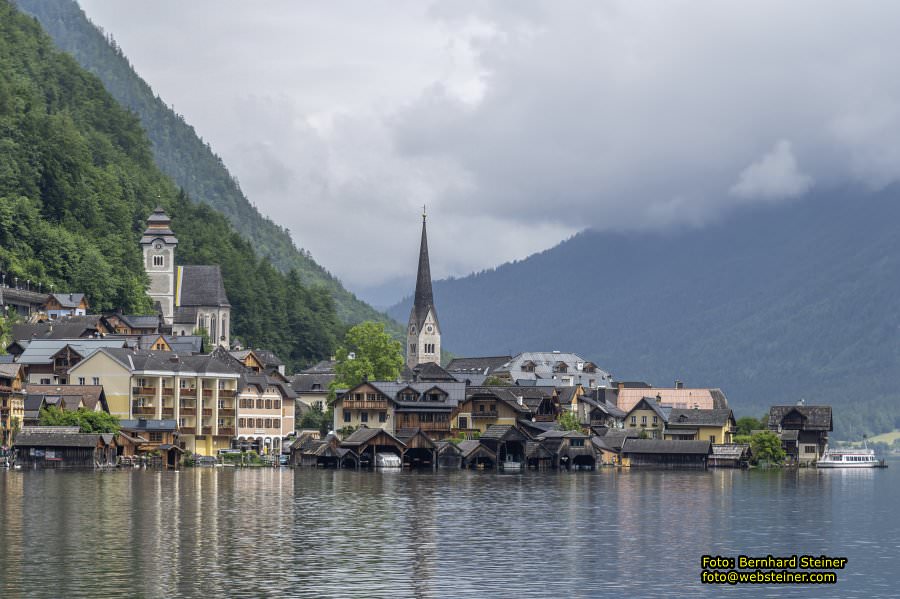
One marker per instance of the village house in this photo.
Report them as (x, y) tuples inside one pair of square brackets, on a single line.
[(312, 390), (65, 397), (717, 426), (48, 360), (142, 437), (487, 406), (571, 450), (648, 417), (398, 405), (803, 430), (60, 305), (131, 324), (73, 327)]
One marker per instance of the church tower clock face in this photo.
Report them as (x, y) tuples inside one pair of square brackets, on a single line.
[(429, 328)]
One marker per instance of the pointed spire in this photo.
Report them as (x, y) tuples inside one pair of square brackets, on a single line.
[(424, 298)]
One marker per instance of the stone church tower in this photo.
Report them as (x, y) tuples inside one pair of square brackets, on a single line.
[(423, 339), (159, 243)]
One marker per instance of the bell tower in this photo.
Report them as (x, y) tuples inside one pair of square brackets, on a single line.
[(423, 334), (158, 244)]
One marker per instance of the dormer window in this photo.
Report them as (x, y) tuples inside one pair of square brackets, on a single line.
[(528, 366), (560, 367)]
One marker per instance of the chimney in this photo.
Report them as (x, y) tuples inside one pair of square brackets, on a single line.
[(679, 384), (520, 399)]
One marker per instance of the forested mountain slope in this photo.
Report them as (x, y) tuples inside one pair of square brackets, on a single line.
[(776, 304), (181, 154), (77, 182)]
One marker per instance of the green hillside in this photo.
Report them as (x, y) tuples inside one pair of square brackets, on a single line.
[(182, 155), (77, 181)]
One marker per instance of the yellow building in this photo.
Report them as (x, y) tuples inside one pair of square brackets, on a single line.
[(12, 400), (198, 392), (647, 416), (111, 369), (486, 406), (715, 426)]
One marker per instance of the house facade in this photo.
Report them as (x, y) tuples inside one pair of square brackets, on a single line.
[(60, 305), (647, 416), (803, 430), (716, 426), (12, 401)]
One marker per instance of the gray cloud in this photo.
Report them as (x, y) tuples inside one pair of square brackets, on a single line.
[(519, 123)]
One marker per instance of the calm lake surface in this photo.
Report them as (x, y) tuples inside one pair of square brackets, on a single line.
[(307, 533)]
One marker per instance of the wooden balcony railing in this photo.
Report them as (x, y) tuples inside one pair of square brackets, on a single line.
[(207, 430), (489, 414), (225, 412), (192, 393), (365, 405), (168, 392), (168, 413), (143, 410), (188, 411), (226, 393), (226, 430), (144, 391)]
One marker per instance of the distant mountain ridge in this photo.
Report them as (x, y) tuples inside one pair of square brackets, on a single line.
[(181, 154), (774, 305)]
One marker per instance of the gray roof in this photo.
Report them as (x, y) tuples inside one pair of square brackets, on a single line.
[(202, 286), (158, 227), (139, 361), (480, 365), (41, 351), (185, 315), (88, 395), (499, 432), (649, 403), (188, 344), (815, 417), (67, 300), (312, 382), (361, 436), (657, 446), (733, 450), (139, 321), (680, 416), (544, 363), (147, 424), (508, 395), (615, 437), (322, 367), (9, 370), (456, 392), (63, 328), (427, 371), (29, 439)]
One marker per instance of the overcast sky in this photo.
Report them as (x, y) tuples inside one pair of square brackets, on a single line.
[(518, 123)]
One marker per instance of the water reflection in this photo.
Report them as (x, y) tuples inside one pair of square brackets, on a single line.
[(278, 532)]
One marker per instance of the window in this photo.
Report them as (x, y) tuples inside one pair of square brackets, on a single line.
[(712, 438), (241, 422), (576, 442), (183, 384), (633, 420), (382, 417), (429, 348), (655, 420), (96, 380), (157, 261), (809, 449), (357, 396), (276, 404), (181, 422), (268, 404), (643, 420), (346, 415), (259, 404), (156, 437), (268, 423), (81, 380), (45, 381), (221, 422), (370, 397), (481, 407), (364, 417), (412, 348)]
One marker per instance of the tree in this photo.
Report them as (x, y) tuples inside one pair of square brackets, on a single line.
[(766, 447), (568, 421), (494, 381), (6, 323), (86, 420), (747, 424), (314, 418), (367, 352)]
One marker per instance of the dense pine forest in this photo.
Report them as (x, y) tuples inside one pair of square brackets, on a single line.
[(77, 181), (182, 155)]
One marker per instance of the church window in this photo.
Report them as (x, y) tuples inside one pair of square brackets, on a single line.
[(157, 260), (412, 348)]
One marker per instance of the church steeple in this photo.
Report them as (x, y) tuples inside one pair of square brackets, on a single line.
[(424, 336)]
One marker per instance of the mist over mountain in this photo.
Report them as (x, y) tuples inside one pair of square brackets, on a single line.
[(776, 304), (181, 154)]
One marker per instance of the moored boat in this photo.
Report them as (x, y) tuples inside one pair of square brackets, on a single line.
[(849, 458)]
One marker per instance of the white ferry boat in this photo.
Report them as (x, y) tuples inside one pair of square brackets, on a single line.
[(849, 458)]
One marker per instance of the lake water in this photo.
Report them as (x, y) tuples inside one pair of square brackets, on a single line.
[(308, 533)]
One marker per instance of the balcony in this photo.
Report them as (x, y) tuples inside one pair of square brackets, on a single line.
[(185, 393), (226, 430), (207, 394), (365, 405), (207, 411), (168, 413), (225, 412), (168, 392), (144, 391), (188, 411), (226, 393), (143, 410), (187, 430), (488, 414), (545, 418), (207, 430)]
